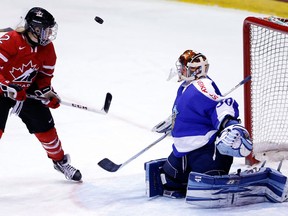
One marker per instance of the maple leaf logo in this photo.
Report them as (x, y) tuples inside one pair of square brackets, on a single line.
[(26, 73)]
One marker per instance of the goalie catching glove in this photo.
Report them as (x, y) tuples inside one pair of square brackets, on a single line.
[(50, 98), (234, 140)]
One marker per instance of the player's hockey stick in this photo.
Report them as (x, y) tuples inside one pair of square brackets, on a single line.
[(8, 29), (110, 166), (104, 109)]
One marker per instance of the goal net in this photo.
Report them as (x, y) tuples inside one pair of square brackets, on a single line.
[(265, 43)]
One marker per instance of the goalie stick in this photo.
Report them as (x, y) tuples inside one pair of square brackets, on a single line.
[(104, 109), (110, 166), (245, 80)]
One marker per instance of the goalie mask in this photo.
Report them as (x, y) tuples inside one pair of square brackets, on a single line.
[(191, 66), (41, 24)]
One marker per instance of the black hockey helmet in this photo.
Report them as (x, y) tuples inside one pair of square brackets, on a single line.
[(41, 24)]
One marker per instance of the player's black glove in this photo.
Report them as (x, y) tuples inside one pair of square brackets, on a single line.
[(51, 100), (13, 91)]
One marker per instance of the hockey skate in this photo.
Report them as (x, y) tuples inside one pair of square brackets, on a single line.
[(174, 194), (69, 171)]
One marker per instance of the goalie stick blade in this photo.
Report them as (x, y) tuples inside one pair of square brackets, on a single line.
[(107, 103), (108, 165)]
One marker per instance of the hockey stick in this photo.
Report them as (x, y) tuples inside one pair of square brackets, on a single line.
[(8, 29), (245, 80), (104, 109), (110, 166)]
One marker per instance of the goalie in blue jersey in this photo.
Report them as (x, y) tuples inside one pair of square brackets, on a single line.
[(205, 127)]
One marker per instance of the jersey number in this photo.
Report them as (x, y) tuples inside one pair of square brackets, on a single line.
[(227, 101), (4, 38)]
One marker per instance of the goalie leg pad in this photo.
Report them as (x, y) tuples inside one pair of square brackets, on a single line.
[(154, 186), (159, 184), (277, 187), (236, 189)]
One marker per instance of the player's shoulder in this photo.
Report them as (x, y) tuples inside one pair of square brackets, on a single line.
[(204, 84), (12, 41), (47, 50), (11, 36), (50, 45), (207, 87)]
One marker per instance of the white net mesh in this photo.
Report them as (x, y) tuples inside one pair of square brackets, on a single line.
[(269, 92)]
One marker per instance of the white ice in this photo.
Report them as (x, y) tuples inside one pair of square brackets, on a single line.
[(129, 55)]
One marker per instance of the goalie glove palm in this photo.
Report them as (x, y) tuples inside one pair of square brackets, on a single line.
[(234, 140)]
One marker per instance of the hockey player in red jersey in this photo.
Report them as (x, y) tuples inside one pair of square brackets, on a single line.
[(27, 61)]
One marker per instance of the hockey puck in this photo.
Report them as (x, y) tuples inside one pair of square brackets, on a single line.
[(98, 20)]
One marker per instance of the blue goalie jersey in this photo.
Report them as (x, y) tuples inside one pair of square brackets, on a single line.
[(198, 111)]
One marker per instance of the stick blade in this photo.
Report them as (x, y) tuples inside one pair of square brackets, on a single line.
[(107, 103), (108, 165)]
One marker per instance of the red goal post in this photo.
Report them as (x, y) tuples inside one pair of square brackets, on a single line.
[(265, 45)]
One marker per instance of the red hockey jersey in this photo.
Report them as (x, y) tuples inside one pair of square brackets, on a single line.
[(23, 65)]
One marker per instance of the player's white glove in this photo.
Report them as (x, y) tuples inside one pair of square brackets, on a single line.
[(234, 140), (163, 126), (52, 99)]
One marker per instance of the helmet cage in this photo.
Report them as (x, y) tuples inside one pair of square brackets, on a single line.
[(43, 34)]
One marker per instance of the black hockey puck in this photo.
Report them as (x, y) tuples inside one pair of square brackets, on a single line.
[(98, 20)]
